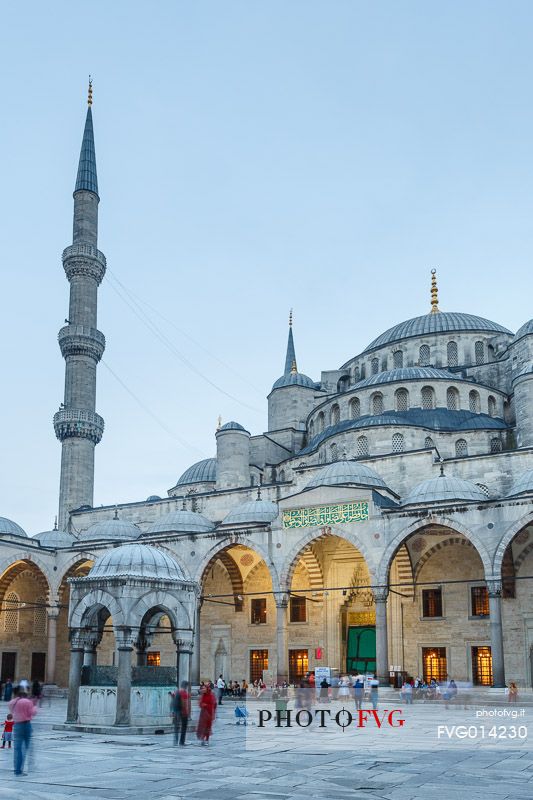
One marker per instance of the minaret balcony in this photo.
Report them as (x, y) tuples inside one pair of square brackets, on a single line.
[(85, 260), (80, 340), (75, 423)]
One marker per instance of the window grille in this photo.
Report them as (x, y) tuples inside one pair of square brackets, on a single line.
[(397, 359), (461, 448), (356, 374), (298, 609), (428, 397), (484, 489), (397, 443), (479, 352), (39, 617), (496, 445), (453, 355), (362, 446), (428, 443), (473, 402), (452, 399), (355, 408), (11, 613), (374, 366), (259, 610), (402, 400), (424, 355), (334, 451), (377, 404), (335, 415), (480, 601), (434, 663), (432, 602)]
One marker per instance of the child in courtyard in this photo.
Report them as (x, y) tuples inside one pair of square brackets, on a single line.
[(7, 734)]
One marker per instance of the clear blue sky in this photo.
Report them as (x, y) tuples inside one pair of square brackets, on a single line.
[(252, 156)]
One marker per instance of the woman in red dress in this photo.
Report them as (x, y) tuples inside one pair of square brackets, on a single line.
[(208, 710)]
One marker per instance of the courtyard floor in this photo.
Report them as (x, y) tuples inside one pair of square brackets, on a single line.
[(413, 765)]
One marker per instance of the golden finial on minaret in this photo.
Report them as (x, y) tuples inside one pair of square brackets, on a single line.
[(90, 94), (294, 368), (434, 293), (290, 318), (219, 422)]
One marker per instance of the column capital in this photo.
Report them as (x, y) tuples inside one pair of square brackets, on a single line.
[(282, 599), (124, 637), (494, 587), (53, 612), (184, 645), (380, 593)]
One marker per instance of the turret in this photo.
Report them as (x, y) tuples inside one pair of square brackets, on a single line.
[(77, 425), (233, 456)]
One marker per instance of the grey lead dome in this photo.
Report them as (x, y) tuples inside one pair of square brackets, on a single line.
[(111, 529), (258, 511), (7, 526), (443, 488), (181, 521), (136, 561), (341, 473)]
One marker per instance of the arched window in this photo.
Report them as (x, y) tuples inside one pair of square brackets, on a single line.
[(429, 443), (356, 374), (335, 414), (39, 617), (461, 448), (473, 402), (355, 408), (311, 429), (452, 399), (321, 422), (397, 443), (363, 371), (282, 476), (479, 352), (492, 406), (377, 403), (424, 355), (496, 445), (453, 355), (343, 383), (484, 489), (401, 397), (333, 452), (427, 397), (397, 359), (362, 446), (11, 613), (322, 457), (374, 366)]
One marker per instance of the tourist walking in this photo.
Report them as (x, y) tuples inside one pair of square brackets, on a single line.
[(358, 690), (8, 690), (23, 711), (208, 710), (513, 692), (221, 685), (374, 685), (181, 712)]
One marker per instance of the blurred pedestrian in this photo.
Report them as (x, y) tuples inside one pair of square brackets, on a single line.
[(208, 710), (181, 712), (8, 690), (23, 710)]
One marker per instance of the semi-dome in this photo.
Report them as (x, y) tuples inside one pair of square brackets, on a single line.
[(181, 521), (55, 539), (294, 379), (232, 426), (136, 561), (7, 526), (258, 511), (153, 498), (341, 473), (407, 374), (522, 484), (202, 471), (525, 330), (112, 529), (443, 488), (441, 322)]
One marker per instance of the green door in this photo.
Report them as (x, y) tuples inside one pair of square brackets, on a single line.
[(361, 649)]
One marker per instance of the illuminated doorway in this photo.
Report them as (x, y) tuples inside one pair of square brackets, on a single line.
[(258, 663), (481, 666), (435, 665), (298, 665)]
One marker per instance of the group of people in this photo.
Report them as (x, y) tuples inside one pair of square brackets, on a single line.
[(181, 710), (17, 728), (35, 689), (355, 687)]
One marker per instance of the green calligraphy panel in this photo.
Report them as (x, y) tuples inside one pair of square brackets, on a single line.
[(317, 516)]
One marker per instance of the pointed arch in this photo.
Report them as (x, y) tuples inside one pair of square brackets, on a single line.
[(234, 575), (507, 538), (232, 541), (14, 565)]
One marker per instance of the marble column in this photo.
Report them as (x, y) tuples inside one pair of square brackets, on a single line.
[(122, 716), (89, 655), (74, 679), (195, 658), (282, 638), (382, 640), (51, 647), (183, 655), (494, 588)]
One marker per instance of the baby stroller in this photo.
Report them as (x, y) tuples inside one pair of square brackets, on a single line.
[(241, 715)]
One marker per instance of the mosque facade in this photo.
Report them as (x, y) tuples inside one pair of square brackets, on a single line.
[(382, 523)]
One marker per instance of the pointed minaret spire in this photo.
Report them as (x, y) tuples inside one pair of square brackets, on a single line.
[(434, 293), (290, 358), (86, 179)]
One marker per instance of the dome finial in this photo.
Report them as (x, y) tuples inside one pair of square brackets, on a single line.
[(90, 92), (442, 475), (258, 492), (116, 513), (219, 422), (184, 505), (434, 293), (55, 523), (294, 368), (290, 318)]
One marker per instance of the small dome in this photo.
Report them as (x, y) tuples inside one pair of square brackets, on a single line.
[(440, 489), (443, 322), (205, 470), (136, 561), (407, 374), (55, 539), (259, 511), (294, 379), (232, 426), (153, 498), (112, 529), (522, 484), (181, 522), (10, 527), (525, 330), (342, 473)]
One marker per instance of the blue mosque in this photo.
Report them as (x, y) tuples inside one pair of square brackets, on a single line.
[(382, 523)]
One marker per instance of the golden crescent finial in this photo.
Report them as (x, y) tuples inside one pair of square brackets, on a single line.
[(219, 422), (434, 293), (90, 93), (294, 368)]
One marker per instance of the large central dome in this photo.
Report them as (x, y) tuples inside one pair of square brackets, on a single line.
[(441, 322)]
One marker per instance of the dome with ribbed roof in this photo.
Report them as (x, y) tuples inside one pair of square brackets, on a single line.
[(111, 529), (202, 471), (443, 488), (523, 484), (441, 322), (181, 521), (232, 426), (294, 379), (7, 526), (254, 511), (525, 330), (346, 473), (136, 561), (153, 498), (407, 374), (55, 539)]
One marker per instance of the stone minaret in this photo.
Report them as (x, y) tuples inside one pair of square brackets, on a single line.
[(76, 424)]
